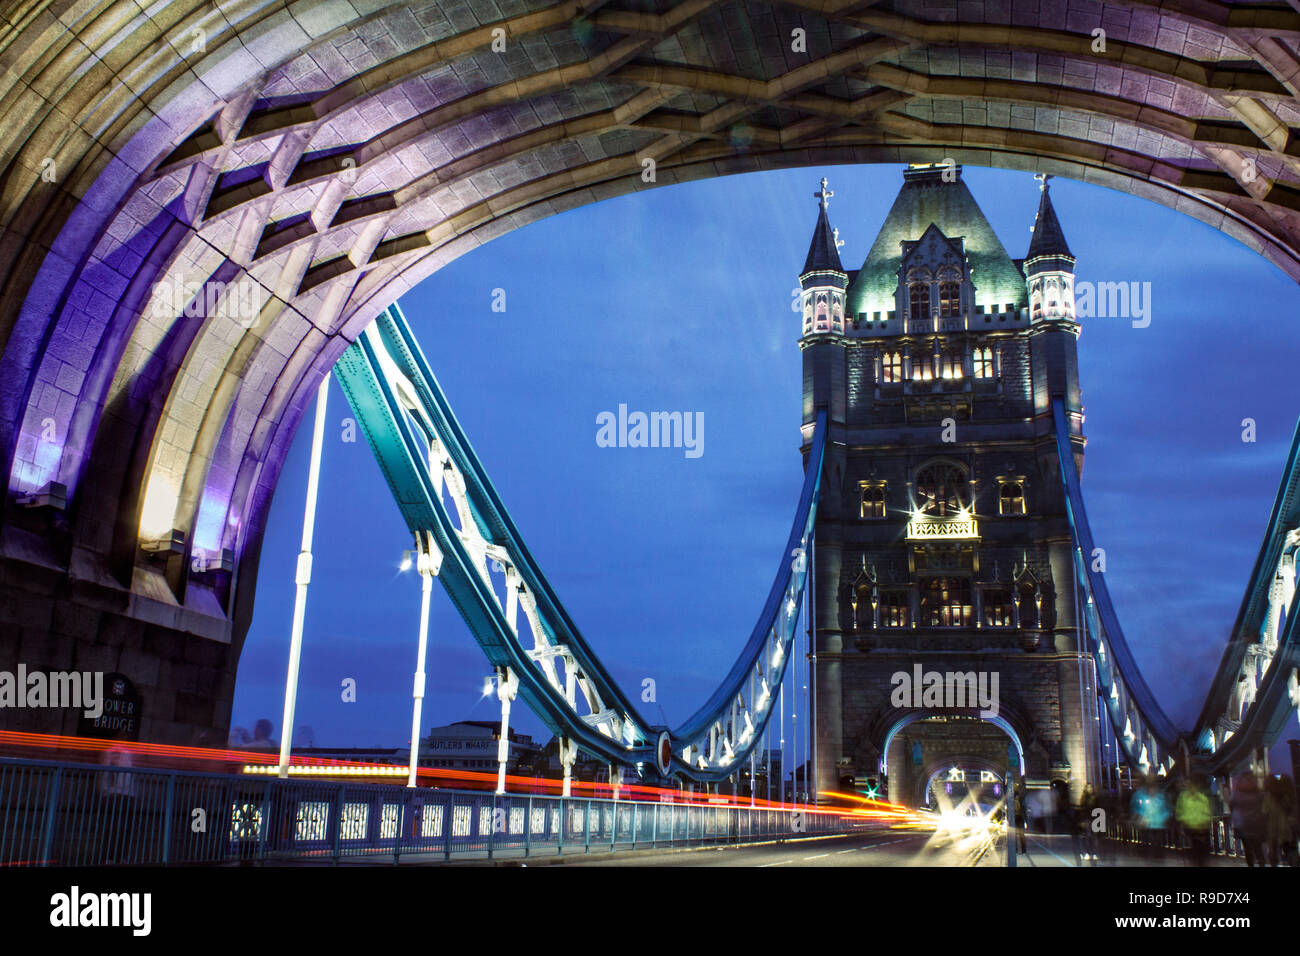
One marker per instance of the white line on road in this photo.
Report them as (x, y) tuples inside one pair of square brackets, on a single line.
[(777, 863), (817, 857), (849, 850)]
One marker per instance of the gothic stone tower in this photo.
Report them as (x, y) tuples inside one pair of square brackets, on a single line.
[(942, 538)]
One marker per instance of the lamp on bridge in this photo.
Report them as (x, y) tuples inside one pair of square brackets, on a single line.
[(53, 494), (166, 545)]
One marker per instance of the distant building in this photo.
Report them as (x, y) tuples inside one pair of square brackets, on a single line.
[(380, 755), (472, 745)]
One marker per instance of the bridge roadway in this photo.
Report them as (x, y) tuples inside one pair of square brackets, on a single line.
[(880, 848)]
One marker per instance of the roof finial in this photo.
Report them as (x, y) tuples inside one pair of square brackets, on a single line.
[(839, 243), (1042, 180), (824, 194)]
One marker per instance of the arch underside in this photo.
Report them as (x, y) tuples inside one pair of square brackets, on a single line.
[(201, 209)]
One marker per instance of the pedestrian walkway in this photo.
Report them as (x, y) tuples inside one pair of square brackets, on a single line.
[(1057, 850)]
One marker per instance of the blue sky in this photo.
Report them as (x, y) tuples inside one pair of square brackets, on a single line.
[(678, 298)]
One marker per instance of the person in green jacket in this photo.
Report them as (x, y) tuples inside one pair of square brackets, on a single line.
[(1194, 814)]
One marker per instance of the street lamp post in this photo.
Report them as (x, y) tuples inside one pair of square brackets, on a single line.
[(1013, 762), (302, 577), (428, 562)]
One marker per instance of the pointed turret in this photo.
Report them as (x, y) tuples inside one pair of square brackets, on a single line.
[(1048, 239), (823, 256), (823, 279), (1049, 264)]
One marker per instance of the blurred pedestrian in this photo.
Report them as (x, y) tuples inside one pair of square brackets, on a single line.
[(1022, 823), (1248, 818), (1086, 816), (118, 790), (1151, 813), (1194, 814), (1279, 820)]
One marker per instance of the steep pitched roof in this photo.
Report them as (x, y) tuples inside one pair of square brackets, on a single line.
[(927, 199), (822, 254), (1048, 239)]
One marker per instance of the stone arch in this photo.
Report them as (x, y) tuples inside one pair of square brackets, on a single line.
[(933, 767), (324, 158)]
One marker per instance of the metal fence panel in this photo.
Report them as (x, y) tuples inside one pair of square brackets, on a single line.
[(85, 815)]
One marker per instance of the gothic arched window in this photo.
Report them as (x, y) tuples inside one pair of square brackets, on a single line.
[(946, 602), (893, 609), (983, 362), (940, 489), (949, 299), (919, 301), (891, 367), (873, 500), (1011, 500), (950, 363)]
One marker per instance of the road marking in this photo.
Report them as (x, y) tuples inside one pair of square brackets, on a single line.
[(849, 850), (889, 843), (778, 863), (817, 857)]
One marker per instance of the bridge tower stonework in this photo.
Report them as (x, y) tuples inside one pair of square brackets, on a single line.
[(942, 538)]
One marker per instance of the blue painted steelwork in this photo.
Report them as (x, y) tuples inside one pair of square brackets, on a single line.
[(1274, 699), (425, 457), (1148, 737), (1141, 726)]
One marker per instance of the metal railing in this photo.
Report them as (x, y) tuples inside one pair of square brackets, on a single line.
[(61, 814)]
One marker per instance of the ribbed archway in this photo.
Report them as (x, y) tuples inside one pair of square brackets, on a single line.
[(202, 206)]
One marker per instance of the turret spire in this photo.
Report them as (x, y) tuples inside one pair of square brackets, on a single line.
[(1049, 264), (823, 252), (823, 279), (1048, 238)]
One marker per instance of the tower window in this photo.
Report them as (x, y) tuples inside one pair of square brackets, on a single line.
[(919, 298), (950, 364), (983, 362), (997, 608), (922, 367), (873, 500), (894, 609), (939, 489), (946, 602), (891, 367), (949, 299), (1011, 499)]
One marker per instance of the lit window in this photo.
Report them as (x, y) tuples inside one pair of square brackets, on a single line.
[(997, 608), (950, 364), (873, 500), (922, 368), (949, 299), (983, 362), (1011, 500), (891, 367), (939, 489), (894, 609), (919, 296), (946, 602)]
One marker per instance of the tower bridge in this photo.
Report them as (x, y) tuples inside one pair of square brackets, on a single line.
[(323, 158)]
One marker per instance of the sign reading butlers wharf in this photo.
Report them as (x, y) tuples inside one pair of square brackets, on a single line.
[(119, 718)]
